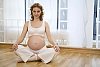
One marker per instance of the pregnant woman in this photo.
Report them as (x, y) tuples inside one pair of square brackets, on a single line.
[(37, 29)]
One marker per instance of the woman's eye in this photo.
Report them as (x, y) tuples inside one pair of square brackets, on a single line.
[(38, 11), (34, 11)]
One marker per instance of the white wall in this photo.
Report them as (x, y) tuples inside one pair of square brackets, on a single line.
[(80, 17)]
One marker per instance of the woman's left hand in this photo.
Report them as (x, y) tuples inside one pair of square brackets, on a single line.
[(56, 47)]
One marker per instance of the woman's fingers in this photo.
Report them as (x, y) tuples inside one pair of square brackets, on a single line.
[(57, 49), (15, 47)]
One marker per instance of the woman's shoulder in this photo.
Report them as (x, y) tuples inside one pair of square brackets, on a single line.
[(45, 22), (26, 23)]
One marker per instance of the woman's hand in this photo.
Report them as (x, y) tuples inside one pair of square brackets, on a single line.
[(15, 46), (56, 47)]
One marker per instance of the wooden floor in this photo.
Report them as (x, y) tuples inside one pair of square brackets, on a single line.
[(68, 57)]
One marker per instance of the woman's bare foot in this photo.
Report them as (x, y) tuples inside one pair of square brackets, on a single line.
[(19, 60)]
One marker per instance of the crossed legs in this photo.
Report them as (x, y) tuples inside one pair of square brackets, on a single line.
[(32, 58)]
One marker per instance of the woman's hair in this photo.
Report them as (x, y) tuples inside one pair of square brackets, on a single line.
[(40, 7)]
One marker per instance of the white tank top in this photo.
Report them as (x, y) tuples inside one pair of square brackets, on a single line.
[(36, 31)]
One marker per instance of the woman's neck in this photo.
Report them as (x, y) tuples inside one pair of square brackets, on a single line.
[(36, 20)]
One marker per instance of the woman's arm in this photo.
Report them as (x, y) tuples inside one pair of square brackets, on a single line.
[(48, 33), (49, 36), (23, 34), (21, 37)]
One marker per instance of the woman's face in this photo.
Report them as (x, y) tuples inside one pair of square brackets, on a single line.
[(36, 12)]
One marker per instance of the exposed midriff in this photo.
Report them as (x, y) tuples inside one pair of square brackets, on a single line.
[(36, 42)]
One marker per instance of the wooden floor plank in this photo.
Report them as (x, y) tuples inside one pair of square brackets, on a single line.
[(66, 58)]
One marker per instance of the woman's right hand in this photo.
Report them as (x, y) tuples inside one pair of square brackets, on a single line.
[(15, 46)]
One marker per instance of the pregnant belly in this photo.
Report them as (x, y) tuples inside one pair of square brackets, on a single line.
[(36, 42)]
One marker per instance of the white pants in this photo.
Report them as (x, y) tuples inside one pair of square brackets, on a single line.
[(46, 54)]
